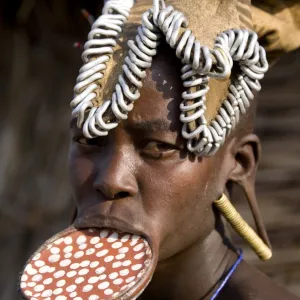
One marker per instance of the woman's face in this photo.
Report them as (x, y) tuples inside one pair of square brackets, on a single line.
[(140, 178)]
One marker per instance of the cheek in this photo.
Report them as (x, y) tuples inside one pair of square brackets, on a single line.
[(80, 169), (178, 201), (176, 192)]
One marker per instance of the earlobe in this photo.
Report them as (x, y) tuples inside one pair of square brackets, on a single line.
[(245, 153)]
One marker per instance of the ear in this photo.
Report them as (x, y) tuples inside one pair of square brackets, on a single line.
[(246, 153)]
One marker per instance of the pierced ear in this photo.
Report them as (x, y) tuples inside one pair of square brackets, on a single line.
[(246, 152)]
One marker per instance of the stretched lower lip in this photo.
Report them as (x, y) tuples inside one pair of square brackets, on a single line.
[(116, 263), (104, 222)]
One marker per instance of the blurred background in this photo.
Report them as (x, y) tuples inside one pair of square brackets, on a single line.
[(38, 68)]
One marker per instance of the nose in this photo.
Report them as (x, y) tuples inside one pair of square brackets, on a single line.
[(115, 177)]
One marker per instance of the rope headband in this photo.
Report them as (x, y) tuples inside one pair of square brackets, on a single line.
[(204, 137)]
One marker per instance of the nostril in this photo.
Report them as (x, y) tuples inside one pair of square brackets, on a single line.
[(111, 195), (121, 195), (113, 187)]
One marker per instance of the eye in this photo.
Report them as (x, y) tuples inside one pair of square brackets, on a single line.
[(81, 140), (158, 149), (158, 146)]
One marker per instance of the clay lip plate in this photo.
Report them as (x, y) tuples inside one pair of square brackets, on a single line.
[(95, 263)]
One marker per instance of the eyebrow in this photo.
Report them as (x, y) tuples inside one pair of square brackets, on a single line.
[(150, 126), (145, 126)]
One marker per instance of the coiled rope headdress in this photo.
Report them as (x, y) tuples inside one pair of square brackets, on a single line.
[(204, 134)]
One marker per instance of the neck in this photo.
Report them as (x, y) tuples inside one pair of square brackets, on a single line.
[(193, 273)]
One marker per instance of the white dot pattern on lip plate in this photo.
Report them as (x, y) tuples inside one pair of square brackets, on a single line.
[(100, 264)]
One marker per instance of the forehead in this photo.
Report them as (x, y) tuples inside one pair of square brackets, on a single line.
[(161, 92)]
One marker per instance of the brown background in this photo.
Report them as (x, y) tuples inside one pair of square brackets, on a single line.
[(38, 67), (278, 180)]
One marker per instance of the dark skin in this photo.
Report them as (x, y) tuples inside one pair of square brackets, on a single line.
[(142, 175)]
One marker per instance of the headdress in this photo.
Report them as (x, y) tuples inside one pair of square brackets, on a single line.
[(207, 119)]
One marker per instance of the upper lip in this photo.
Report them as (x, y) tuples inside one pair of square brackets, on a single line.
[(101, 221)]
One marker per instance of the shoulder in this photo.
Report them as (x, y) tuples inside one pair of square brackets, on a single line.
[(248, 283)]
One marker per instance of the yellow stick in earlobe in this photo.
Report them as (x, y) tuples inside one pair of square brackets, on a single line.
[(242, 228)]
